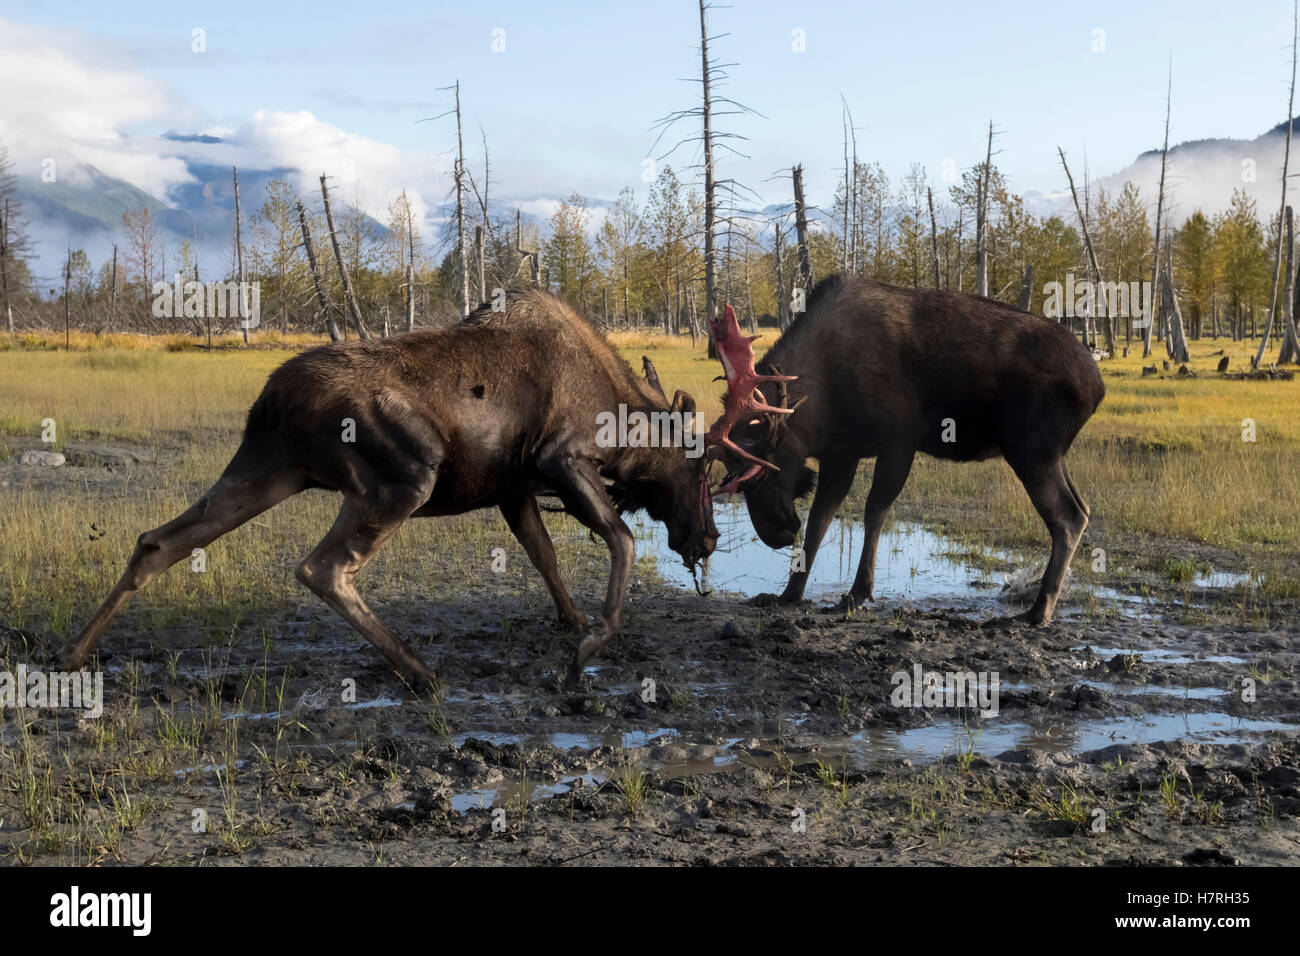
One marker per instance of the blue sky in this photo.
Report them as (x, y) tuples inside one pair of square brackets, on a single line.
[(570, 103)]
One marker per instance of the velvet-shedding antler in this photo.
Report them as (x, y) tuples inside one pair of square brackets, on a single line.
[(743, 399)]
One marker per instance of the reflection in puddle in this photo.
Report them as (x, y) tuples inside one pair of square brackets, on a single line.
[(912, 562)]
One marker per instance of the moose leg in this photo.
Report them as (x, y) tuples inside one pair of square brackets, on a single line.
[(579, 486), (361, 529), (834, 479), (526, 522), (1066, 517), (892, 468), (227, 504)]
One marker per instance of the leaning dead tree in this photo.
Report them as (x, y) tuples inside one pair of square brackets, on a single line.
[(1099, 306), (1286, 158), (321, 300), (348, 295), (1150, 318)]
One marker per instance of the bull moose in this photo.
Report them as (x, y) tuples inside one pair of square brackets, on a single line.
[(490, 412), (878, 371)]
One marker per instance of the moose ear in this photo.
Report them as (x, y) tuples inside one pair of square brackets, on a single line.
[(683, 402)]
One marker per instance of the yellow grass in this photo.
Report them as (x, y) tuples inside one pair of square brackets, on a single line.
[(1163, 460)]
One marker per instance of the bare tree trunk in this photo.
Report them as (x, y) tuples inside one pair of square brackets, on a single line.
[(1290, 350), (1156, 295), (239, 262), (779, 255), (462, 253), (4, 269), (67, 302), (982, 222), (934, 235), (315, 274), (1027, 288), (479, 250), (710, 199), (801, 232), (1286, 158), (1288, 327), (1099, 305), (410, 268), (112, 292), (844, 121), (348, 296), (1177, 341)]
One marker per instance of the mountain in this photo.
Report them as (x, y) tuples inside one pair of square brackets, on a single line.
[(84, 207)]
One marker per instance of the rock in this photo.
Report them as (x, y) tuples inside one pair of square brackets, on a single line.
[(1223, 364), (51, 459)]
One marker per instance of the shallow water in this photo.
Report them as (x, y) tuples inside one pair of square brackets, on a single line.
[(912, 563)]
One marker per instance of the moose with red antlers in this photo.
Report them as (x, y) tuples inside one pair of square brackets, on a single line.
[(491, 412), (881, 372)]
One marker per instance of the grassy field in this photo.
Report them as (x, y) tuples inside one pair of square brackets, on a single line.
[(1163, 466)]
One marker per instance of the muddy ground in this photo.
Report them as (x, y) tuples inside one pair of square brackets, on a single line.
[(767, 736)]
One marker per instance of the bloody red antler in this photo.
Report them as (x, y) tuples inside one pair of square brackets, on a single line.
[(736, 352)]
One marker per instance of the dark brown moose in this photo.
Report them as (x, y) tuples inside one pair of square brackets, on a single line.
[(488, 413), (878, 371)]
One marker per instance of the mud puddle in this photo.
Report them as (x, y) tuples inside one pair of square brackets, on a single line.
[(913, 565)]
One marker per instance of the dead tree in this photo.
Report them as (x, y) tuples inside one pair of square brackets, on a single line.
[(1290, 351), (410, 266), (531, 257), (461, 252), (801, 231), (712, 74), (1286, 158), (982, 222), (348, 296), (1288, 319), (1150, 320), (5, 220), (779, 256), (239, 263), (1027, 288), (112, 292), (1169, 306), (321, 300), (1099, 304), (67, 301), (934, 236)]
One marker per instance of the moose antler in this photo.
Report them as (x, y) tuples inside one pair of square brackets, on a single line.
[(736, 352)]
